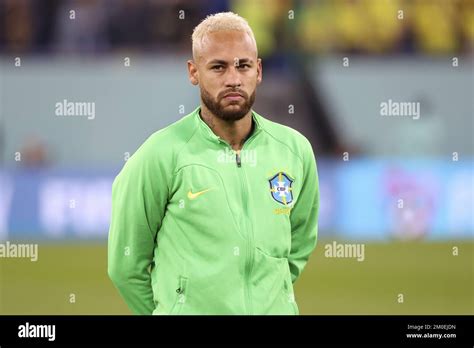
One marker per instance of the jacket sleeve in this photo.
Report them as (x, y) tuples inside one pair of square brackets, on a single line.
[(304, 216), (139, 198)]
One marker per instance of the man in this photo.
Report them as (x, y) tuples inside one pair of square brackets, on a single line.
[(216, 213)]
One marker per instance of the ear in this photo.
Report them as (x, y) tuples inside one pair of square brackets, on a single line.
[(259, 71), (193, 73)]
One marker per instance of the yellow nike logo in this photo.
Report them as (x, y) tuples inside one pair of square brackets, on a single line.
[(197, 194)]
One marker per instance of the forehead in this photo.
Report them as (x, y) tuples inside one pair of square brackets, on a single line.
[(226, 45)]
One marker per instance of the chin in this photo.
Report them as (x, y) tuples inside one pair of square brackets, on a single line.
[(234, 106), (233, 115)]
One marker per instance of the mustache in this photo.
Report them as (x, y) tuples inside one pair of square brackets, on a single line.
[(239, 91)]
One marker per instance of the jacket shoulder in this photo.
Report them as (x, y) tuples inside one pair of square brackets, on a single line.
[(294, 140), (162, 145), (176, 134)]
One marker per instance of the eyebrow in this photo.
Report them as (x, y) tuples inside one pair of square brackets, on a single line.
[(223, 62)]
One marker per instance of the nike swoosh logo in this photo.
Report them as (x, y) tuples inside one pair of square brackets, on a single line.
[(197, 194)]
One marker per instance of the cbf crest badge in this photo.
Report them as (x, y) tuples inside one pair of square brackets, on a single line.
[(280, 188)]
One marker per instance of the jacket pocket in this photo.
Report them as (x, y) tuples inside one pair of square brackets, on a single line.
[(181, 294), (275, 290)]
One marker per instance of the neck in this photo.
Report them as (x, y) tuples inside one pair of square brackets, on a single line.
[(233, 132)]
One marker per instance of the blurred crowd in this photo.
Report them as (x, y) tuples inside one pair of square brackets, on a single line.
[(430, 27)]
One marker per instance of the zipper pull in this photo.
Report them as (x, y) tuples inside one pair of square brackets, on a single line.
[(237, 159)]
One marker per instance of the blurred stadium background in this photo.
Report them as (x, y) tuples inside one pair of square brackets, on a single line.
[(328, 66)]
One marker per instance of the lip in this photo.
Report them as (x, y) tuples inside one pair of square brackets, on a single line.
[(233, 96)]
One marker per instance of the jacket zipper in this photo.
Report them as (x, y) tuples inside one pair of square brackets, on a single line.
[(248, 227)]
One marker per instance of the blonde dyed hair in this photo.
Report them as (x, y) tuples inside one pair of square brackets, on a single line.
[(219, 22)]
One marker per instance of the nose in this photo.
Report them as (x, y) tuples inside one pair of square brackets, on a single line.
[(233, 77)]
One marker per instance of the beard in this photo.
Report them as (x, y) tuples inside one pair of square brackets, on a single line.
[(233, 111)]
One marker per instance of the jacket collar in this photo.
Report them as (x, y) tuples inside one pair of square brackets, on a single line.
[(210, 135)]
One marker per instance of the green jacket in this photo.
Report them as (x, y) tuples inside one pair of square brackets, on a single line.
[(198, 229)]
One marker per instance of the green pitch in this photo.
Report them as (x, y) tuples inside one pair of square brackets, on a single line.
[(72, 279)]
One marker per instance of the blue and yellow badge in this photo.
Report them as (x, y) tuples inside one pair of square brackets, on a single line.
[(280, 188)]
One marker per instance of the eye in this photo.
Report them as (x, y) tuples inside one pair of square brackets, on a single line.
[(217, 67), (241, 66)]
